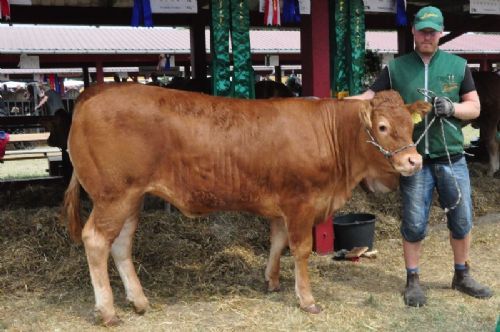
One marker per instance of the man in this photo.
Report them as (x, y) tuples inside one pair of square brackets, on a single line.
[(3, 109), (52, 100), (456, 99)]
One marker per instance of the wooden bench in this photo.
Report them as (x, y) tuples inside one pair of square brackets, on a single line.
[(58, 160), (35, 153), (32, 137)]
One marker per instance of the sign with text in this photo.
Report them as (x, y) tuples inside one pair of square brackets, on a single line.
[(380, 6), (174, 6), (20, 2), (485, 7)]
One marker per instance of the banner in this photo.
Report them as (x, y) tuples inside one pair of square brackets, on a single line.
[(243, 77), (357, 46), (272, 14), (4, 9), (304, 6), (219, 45), (141, 14), (347, 47), (231, 16), (291, 11), (339, 83)]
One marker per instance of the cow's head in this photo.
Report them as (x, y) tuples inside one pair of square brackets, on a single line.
[(389, 128)]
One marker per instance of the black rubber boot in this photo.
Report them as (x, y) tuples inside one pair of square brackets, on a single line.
[(463, 282), (414, 295)]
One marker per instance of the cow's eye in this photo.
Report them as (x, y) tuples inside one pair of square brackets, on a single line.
[(382, 128)]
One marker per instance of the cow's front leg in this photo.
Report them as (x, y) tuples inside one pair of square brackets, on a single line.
[(300, 238), (279, 240)]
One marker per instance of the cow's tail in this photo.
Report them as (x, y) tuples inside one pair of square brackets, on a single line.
[(71, 210)]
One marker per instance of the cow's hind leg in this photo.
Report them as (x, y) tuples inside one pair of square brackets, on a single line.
[(104, 225), (301, 240), (121, 250), (279, 240), (493, 149)]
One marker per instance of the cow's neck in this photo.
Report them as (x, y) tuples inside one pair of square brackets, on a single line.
[(347, 139)]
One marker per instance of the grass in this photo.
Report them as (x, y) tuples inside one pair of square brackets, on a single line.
[(19, 169)]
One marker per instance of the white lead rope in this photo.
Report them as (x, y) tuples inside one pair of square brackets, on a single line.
[(430, 94), (446, 210)]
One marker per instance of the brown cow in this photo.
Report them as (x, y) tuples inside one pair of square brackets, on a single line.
[(488, 89), (294, 161)]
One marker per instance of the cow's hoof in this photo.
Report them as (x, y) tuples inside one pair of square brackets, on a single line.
[(273, 286), (274, 289), (312, 309), (140, 307), (110, 319), (110, 322), (113, 321)]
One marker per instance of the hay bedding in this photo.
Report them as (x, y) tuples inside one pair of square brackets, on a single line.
[(174, 255)]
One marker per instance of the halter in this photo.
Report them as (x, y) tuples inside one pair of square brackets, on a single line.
[(389, 154)]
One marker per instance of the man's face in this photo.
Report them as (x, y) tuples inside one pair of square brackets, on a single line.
[(426, 40)]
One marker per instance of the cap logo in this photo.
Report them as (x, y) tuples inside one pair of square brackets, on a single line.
[(427, 15)]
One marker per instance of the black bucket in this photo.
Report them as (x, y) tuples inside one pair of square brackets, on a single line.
[(354, 230)]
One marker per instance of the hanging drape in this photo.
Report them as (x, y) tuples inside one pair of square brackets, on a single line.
[(230, 18), (347, 47)]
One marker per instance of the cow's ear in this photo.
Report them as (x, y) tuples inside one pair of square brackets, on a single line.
[(418, 110), (365, 114)]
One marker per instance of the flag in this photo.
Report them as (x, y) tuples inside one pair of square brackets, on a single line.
[(5, 9)]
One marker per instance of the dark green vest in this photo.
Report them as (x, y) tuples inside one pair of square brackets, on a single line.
[(445, 74)]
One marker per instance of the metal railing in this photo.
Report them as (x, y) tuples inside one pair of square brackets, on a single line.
[(28, 107)]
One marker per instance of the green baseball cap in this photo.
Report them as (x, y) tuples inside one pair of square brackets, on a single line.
[(429, 17)]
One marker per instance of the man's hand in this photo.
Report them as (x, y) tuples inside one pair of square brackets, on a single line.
[(443, 107)]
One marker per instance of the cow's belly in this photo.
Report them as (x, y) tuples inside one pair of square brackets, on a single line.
[(196, 192)]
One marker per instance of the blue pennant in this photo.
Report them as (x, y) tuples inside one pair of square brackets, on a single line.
[(291, 11), (401, 20), (141, 14)]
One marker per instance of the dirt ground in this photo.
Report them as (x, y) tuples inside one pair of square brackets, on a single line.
[(206, 274)]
